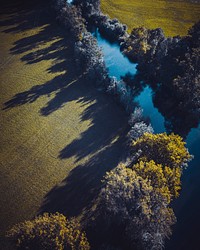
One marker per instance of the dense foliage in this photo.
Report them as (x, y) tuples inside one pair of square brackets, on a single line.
[(168, 150), (163, 179), (136, 195), (71, 18), (138, 125), (172, 67), (142, 212), (49, 231), (89, 7), (90, 58)]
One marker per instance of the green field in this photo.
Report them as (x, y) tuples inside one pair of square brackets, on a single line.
[(57, 131), (174, 17)]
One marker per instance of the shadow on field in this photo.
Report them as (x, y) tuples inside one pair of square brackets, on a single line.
[(77, 192), (49, 43), (104, 139), (104, 129), (69, 85), (21, 15)]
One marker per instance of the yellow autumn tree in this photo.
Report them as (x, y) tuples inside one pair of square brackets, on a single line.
[(164, 180), (48, 231), (132, 200), (168, 150)]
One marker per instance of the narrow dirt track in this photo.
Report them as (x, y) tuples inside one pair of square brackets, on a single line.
[(58, 133)]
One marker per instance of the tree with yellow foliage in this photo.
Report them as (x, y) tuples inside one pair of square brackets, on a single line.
[(164, 180), (49, 231), (167, 150), (134, 202)]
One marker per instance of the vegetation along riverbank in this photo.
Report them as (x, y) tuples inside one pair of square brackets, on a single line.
[(120, 196)]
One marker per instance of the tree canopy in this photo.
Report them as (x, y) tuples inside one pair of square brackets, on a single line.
[(168, 150), (49, 231), (142, 211)]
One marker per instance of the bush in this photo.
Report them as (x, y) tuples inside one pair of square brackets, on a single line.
[(136, 116), (50, 232), (91, 58), (89, 7), (139, 129)]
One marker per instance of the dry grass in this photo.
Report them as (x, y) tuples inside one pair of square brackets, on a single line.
[(174, 17), (51, 120)]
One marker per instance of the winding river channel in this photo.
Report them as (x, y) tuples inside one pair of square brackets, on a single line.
[(186, 207)]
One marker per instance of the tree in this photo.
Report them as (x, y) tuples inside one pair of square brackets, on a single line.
[(91, 58), (194, 34), (71, 18), (162, 178), (89, 7), (142, 212), (138, 129), (168, 150), (50, 232)]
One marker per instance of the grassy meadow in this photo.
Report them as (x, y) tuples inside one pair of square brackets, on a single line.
[(174, 17), (58, 133)]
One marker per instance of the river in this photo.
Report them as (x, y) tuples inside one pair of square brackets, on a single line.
[(185, 232)]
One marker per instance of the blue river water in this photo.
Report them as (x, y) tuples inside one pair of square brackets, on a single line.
[(186, 231), (186, 207)]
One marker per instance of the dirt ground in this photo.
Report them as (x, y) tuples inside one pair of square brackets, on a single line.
[(59, 134)]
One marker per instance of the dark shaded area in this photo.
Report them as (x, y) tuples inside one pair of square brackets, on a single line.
[(79, 190), (106, 136), (103, 130), (58, 50), (81, 187), (178, 119), (21, 15), (185, 233)]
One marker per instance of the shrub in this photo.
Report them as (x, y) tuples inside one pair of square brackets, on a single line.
[(139, 129), (136, 116), (50, 232), (88, 7), (91, 58)]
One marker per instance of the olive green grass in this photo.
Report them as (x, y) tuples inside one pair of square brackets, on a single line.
[(174, 17), (59, 134)]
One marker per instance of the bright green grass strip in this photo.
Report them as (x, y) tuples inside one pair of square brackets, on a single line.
[(174, 17)]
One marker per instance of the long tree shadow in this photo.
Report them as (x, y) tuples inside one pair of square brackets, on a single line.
[(67, 86), (103, 141), (79, 190), (20, 15), (106, 125), (50, 43)]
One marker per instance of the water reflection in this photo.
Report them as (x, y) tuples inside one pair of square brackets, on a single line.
[(117, 64), (146, 103)]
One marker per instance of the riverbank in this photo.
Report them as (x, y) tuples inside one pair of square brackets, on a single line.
[(113, 69), (50, 117), (76, 90)]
